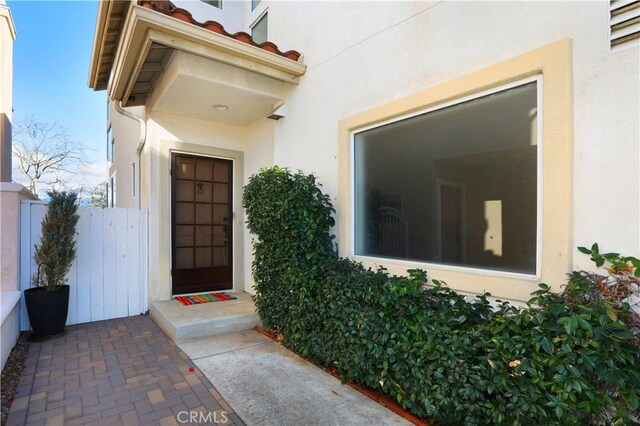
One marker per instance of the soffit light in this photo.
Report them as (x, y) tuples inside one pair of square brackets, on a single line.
[(220, 107)]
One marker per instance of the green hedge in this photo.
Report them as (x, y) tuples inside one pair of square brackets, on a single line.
[(566, 359)]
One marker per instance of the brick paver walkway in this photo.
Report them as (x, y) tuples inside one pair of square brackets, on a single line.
[(124, 371)]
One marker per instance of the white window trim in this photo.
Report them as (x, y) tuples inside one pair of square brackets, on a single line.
[(260, 10), (113, 185), (221, 2), (261, 15), (109, 143), (438, 266), (134, 178)]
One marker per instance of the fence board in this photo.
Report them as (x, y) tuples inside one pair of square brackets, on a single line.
[(97, 265), (72, 281), (133, 260), (109, 262), (83, 269), (121, 271)]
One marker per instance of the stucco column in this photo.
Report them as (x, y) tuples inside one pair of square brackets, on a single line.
[(7, 36), (11, 194)]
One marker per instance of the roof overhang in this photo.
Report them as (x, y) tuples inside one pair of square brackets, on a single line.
[(5, 15), (118, 65)]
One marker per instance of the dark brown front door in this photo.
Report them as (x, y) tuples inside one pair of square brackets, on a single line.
[(201, 223)]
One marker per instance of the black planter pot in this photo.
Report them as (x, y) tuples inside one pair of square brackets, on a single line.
[(47, 309)]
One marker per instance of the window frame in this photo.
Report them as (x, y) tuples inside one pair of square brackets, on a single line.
[(220, 3), (133, 179), (110, 142), (538, 79), (262, 15), (554, 62), (113, 193)]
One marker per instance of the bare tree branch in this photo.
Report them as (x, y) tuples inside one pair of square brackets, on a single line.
[(45, 152)]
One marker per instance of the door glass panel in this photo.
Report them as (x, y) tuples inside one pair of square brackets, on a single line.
[(184, 236), (184, 190), (184, 213), (185, 168), (221, 172), (203, 257), (203, 192), (220, 193), (204, 170), (220, 256), (220, 236), (203, 214), (201, 250), (203, 235), (220, 213), (184, 258)]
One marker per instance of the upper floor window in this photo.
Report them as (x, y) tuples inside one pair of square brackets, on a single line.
[(214, 3), (110, 145), (259, 30), (133, 179), (254, 4), (112, 191), (457, 185)]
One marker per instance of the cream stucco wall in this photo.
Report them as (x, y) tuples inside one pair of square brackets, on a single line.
[(403, 48), (250, 148), (126, 133), (7, 37), (365, 55)]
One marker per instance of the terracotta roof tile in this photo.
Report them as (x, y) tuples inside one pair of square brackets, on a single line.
[(167, 8)]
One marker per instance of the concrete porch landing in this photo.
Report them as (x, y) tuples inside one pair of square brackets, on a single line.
[(182, 322)]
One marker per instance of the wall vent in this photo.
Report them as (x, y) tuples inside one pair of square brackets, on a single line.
[(624, 22)]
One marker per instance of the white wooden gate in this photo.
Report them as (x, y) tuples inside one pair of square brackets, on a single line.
[(109, 276)]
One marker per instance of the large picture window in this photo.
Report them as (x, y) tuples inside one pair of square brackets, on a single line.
[(455, 186)]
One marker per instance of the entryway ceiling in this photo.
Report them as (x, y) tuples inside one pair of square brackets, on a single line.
[(195, 87)]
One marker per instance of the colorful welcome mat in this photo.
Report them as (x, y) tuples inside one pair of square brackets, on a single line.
[(204, 298)]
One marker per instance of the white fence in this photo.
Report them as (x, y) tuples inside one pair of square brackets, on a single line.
[(109, 276)]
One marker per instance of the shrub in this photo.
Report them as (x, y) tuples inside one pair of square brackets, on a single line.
[(57, 249), (291, 218), (567, 358)]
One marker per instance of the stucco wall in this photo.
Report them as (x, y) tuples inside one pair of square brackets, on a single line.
[(251, 148), (167, 133), (7, 36), (361, 55), (126, 133), (11, 195), (402, 48)]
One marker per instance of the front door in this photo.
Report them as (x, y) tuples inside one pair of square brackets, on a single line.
[(201, 223)]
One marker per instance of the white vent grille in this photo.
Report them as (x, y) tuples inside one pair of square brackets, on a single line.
[(624, 21)]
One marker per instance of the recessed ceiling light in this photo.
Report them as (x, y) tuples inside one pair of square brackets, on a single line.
[(220, 107)]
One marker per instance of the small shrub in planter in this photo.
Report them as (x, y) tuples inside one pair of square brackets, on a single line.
[(569, 358), (48, 301)]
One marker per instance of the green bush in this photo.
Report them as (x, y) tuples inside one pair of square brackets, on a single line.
[(56, 251), (567, 358)]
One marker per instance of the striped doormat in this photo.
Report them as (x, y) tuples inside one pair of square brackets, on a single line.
[(205, 298)]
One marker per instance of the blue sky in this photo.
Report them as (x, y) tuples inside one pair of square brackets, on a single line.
[(51, 63)]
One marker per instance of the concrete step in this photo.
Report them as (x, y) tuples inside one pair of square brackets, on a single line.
[(182, 322)]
